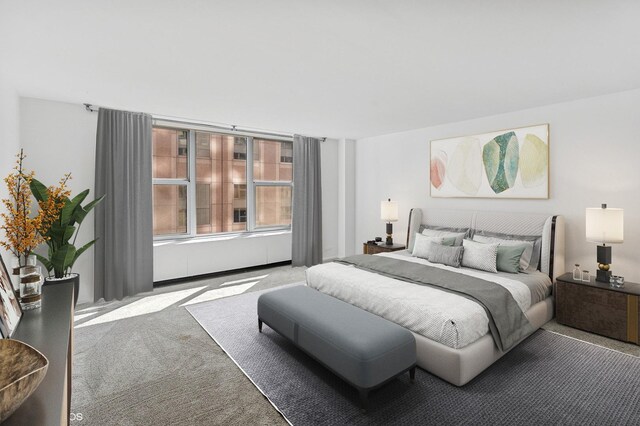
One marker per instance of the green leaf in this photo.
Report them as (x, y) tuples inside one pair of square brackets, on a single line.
[(38, 190), (82, 250), (59, 235), (45, 262), (80, 197), (62, 259), (81, 212), (66, 215), (68, 233)]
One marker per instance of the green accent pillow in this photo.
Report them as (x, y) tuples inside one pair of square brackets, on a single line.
[(509, 258), (450, 241)]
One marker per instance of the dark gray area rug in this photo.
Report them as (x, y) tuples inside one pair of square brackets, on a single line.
[(547, 379)]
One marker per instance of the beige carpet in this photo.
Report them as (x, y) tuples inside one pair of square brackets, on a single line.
[(162, 368), (146, 361)]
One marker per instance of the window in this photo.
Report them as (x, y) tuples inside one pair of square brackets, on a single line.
[(203, 204), (286, 152), (270, 202), (239, 149), (203, 145), (169, 171), (272, 179), (285, 212), (182, 145), (202, 182), (240, 215), (169, 153), (240, 191), (169, 209)]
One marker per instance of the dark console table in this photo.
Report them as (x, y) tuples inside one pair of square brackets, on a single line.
[(50, 330)]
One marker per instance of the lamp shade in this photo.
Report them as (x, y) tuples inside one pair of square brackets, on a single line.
[(389, 211), (605, 225)]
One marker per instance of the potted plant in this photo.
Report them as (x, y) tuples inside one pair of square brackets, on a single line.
[(24, 231), (61, 236)]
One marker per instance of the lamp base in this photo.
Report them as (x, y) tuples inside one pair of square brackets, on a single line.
[(603, 276), (604, 259), (389, 240)]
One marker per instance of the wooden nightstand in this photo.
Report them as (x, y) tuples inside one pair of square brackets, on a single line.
[(381, 248), (596, 307)]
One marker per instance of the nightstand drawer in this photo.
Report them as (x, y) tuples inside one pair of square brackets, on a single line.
[(591, 309)]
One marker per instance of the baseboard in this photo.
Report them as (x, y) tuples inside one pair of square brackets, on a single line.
[(219, 274)]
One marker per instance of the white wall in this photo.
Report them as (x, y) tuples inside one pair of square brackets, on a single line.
[(346, 197), (594, 159), (59, 137), (10, 145), (330, 198)]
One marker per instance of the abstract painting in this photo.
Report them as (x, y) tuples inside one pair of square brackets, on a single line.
[(510, 163)]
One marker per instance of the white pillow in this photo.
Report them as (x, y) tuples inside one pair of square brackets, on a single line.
[(422, 245), (480, 256), (459, 236), (525, 259)]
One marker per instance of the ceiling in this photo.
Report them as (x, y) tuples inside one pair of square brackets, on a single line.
[(328, 68)]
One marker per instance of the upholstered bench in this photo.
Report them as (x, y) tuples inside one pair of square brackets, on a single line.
[(363, 349)]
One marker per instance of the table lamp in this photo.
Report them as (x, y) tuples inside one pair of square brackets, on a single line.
[(604, 225), (389, 213)]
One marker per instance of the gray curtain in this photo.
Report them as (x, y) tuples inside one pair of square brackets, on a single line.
[(124, 220), (306, 227)]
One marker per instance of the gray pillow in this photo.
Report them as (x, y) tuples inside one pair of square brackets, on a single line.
[(448, 241), (422, 245), (527, 256), (446, 255), (445, 228), (459, 236), (480, 256), (534, 261), (508, 259)]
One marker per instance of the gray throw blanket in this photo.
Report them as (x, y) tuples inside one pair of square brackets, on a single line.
[(507, 322)]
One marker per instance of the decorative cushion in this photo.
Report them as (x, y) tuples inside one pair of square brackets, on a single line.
[(422, 245), (459, 236), (447, 255), (448, 241), (480, 256), (528, 260), (509, 257)]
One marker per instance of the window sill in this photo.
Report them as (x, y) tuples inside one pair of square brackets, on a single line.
[(223, 237)]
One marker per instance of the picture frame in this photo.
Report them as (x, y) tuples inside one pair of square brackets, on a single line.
[(10, 310), (503, 164)]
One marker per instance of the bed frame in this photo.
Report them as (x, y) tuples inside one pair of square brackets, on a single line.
[(459, 366)]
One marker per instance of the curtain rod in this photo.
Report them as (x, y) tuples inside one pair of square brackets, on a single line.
[(228, 127)]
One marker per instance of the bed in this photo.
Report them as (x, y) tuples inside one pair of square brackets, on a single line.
[(454, 336)]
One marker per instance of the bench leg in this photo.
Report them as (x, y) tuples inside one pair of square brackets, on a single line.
[(364, 399), (259, 325), (412, 374)]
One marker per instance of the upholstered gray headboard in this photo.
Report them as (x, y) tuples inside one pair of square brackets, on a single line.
[(550, 228)]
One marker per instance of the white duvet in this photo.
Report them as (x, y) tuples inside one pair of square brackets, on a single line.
[(447, 318)]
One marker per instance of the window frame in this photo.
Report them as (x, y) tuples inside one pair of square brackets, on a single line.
[(190, 180)]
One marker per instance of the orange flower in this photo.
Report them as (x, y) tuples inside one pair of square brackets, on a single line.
[(24, 230)]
